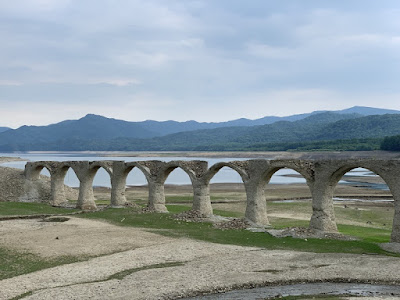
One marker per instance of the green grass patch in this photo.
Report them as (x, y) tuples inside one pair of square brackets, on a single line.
[(377, 216), (22, 208), (164, 224), (225, 213), (367, 234), (314, 297), (14, 263)]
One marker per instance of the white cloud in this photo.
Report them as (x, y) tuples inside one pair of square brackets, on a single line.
[(206, 60), (270, 52), (10, 83)]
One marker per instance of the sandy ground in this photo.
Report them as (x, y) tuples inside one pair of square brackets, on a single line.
[(205, 266), (75, 237)]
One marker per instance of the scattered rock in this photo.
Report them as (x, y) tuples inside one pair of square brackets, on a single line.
[(232, 224), (191, 216), (305, 233)]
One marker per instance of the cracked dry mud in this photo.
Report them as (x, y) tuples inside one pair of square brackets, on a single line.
[(136, 264)]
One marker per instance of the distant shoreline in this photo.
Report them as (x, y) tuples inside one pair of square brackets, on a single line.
[(233, 154)]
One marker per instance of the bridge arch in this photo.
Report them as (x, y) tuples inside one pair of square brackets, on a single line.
[(195, 171), (33, 169), (119, 177), (301, 195), (214, 169)]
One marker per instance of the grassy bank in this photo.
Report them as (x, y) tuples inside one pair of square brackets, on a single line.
[(21, 208), (14, 263), (165, 225)]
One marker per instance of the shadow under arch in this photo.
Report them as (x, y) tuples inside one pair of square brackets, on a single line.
[(366, 214)]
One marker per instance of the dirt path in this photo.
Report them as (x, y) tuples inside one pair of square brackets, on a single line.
[(75, 237), (160, 268)]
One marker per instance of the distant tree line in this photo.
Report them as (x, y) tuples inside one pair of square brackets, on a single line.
[(391, 143)]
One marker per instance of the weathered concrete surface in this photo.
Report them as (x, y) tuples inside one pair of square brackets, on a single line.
[(322, 176)]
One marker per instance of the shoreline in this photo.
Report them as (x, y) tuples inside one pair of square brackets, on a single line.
[(235, 154)]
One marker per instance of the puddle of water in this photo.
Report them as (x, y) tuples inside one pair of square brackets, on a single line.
[(55, 219), (306, 289), (364, 200)]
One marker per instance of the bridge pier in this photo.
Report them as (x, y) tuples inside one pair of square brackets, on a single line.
[(85, 175), (256, 208), (323, 215), (156, 197), (322, 187), (201, 198), (392, 179), (57, 186), (395, 237), (118, 176), (253, 174)]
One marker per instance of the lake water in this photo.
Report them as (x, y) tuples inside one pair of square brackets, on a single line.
[(136, 177), (307, 289)]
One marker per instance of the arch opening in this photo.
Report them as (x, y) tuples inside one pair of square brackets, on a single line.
[(101, 185), (66, 186), (363, 203), (227, 192), (288, 197), (178, 189), (136, 186)]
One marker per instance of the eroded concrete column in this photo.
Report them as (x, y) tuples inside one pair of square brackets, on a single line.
[(395, 237), (118, 184), (256, 208), (57, 186), (156, 196), (85, 175), (322, 188), (323, 216), (201, 198), (154, 171), (392, 179), (199, 177), (253, 176)]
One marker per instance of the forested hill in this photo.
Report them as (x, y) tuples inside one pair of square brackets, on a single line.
[(317, 127), (321, 127)]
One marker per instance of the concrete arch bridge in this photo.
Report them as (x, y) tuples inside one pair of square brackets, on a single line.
[(322, 176)]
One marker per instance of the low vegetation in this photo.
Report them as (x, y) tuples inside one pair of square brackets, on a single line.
[(391, 143), (15, 263), (20, 208)]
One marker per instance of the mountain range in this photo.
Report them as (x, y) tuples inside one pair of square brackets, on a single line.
[(94, 132)]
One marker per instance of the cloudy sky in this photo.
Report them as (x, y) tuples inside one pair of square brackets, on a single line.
[(204, 60)]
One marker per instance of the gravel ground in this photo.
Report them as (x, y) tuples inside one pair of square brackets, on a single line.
[(205, 267)]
